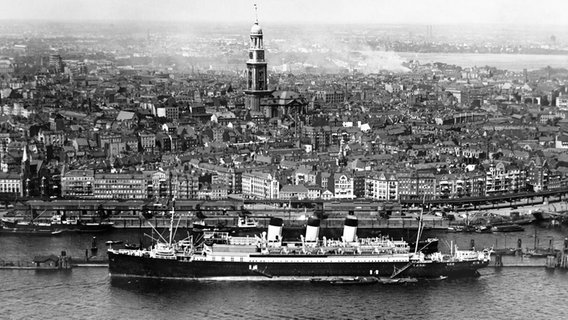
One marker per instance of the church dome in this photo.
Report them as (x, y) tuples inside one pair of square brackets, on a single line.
[(256, 29)]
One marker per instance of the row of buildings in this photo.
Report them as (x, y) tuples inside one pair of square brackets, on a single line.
[(303, 183)]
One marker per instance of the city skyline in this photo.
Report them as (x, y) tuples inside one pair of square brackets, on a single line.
[(511, 12)]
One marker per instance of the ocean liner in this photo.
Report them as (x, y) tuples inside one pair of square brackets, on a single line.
[(219, 256)]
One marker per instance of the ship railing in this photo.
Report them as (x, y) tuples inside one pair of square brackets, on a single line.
[(274, 243), (243, 241), (130, 252)]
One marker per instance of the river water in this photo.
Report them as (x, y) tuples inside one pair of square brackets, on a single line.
[(512, 62), (89, 293)]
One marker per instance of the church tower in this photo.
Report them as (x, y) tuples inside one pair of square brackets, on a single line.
[(257, 86)]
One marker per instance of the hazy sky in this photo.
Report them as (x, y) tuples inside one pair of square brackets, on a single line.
[(523, 12)]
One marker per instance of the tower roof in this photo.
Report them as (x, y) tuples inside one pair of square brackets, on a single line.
[(256, 29)]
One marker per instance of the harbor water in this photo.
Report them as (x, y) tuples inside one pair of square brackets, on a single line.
[(89, 293)]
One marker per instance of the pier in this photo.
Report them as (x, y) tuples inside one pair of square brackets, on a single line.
[(31, 265), (374, 222)]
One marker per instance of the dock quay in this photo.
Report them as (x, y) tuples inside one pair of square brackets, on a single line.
[(372, 214), (54, 263), (550, 261), (24, 266), (370, 222)]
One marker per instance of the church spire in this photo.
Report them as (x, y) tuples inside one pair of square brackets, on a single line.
[(257, 84)]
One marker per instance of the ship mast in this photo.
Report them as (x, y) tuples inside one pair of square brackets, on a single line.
[(418, 235), (172, 212)]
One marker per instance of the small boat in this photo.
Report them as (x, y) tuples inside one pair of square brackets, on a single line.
[(354, 281), (397, 280), (483, 229), (466, 228), (112, 242), (507, 228), (440, 278)]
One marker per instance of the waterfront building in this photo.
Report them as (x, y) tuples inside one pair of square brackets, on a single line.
[(120, 186), (342, 186), (474, 184), (290, 191), (359, 182), (314, 192), (158, 184), (220, 175), (304, 175), (416, 185), (77, 183), (382, 187), (219, 191), (260, 185), (185, 185), (502, 178)]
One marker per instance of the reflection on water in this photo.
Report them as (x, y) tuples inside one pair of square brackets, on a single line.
[(89, 293)]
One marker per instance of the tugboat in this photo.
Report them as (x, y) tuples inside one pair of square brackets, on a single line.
[(219, 256)]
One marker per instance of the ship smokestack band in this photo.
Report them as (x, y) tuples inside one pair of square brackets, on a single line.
[(350, 229), (275, 230), (312, 230)]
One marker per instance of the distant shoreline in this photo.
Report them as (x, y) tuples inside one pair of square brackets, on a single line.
[(503, 61)]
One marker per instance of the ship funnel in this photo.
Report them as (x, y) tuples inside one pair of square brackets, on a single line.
[(312, 229), (275, 230), (350, 228)]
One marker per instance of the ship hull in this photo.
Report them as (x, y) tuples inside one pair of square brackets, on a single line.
[(283, 268), (86, 227), (57, 227)]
